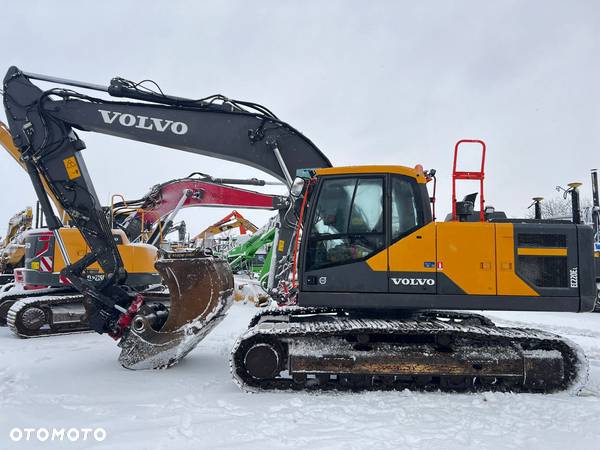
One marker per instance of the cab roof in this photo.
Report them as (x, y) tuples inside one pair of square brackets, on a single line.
[(413, 172)]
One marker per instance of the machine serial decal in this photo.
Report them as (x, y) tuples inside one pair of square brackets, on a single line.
[(573, 276), (143, 122)]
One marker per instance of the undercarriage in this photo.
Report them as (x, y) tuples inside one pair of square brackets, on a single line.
[(321, 349), (9, 297)]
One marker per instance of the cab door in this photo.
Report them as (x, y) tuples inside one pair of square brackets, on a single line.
[(412, 250), (345, 250)]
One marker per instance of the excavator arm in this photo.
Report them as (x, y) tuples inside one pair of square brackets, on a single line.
[(43, 124)]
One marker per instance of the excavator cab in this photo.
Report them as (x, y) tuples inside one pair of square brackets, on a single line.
[(356, 212)]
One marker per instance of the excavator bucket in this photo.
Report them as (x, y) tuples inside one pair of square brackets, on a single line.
[(201, 291)]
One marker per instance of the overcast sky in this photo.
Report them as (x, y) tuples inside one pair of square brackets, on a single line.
[(373, 82)]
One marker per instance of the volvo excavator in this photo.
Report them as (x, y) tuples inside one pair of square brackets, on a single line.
[(371, 281)]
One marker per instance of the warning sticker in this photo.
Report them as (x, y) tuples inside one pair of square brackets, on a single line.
[(280, 246), (72, 168), (46, 264)]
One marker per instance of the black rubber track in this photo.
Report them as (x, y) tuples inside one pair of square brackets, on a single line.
[(280, 326)]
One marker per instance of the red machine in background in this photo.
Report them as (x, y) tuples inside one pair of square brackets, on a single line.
[(152, 216)]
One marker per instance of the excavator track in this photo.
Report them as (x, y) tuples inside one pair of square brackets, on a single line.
[(9, 298), (53, 315), (47, 315), (321, 349)]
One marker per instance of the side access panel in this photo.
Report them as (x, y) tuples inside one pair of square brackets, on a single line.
[(546, 258), (466, 258), (508, 282)]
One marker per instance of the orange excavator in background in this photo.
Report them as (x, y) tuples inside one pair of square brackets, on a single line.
[(231, 221), (375, 289)]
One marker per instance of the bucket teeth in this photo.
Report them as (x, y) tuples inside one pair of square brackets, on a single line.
[(201, 290)]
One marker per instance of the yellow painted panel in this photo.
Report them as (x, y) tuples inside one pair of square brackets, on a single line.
[(411, 253), (137, 258), (379, 261), (509, 283), (467, 253), (76, 248), (413, 172), (542, 251)]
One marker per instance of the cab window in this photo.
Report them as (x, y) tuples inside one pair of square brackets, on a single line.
[(348, 224), (406, 214)]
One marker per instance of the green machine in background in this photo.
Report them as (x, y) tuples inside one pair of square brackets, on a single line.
[(248, 255)]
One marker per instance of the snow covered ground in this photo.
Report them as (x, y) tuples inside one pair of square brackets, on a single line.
[(75, 381)]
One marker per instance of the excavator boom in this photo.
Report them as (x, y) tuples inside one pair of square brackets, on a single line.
[(43, 124)]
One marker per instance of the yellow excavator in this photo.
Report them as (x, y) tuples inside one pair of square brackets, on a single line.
[(374, 288), (12, 247)]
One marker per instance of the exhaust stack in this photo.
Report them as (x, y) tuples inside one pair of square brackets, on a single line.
[(575, 203)]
